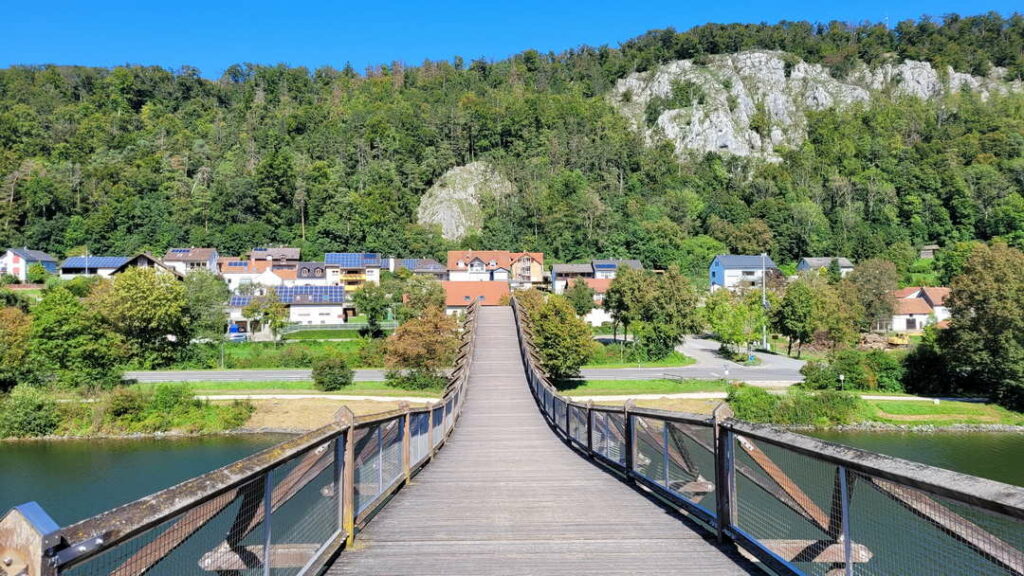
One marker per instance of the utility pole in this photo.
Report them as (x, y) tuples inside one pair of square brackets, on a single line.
[(764, 304)]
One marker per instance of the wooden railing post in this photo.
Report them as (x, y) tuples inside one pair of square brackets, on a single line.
[(725, 472), (348, 484), (628, 437), (590, 428), (406, 442), (430, 431)]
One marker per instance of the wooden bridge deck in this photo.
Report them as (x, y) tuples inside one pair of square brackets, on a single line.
[(506, 496)]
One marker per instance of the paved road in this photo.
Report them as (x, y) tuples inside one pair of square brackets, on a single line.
[(773, 371)]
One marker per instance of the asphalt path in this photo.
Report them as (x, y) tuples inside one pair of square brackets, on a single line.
[(772, 371)]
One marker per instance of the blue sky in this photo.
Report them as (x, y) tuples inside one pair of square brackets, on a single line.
[(213, 34)]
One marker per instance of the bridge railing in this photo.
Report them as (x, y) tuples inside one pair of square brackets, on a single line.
[(283, 511), (796, 504)]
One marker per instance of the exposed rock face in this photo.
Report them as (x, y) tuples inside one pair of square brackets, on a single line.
[(453, 202), (749, 103)]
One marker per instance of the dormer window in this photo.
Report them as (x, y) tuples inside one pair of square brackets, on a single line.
[(493, 263)]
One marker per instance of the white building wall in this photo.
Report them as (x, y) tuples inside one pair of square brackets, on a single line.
[(373, 275), (101, 272), (313, 314), (598, 316)]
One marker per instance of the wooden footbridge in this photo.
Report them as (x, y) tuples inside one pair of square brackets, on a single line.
[(529, 482)]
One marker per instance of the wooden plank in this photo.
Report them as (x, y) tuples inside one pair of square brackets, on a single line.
[(225, 559), (817, 551), (788, 486)]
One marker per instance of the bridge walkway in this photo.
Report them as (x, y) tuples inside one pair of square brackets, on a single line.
[(507, 496)]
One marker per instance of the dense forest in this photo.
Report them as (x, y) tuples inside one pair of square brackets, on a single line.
[(143, 158)]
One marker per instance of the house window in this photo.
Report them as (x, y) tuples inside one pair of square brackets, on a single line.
[(748, 272), (467, 298), (911, 324)]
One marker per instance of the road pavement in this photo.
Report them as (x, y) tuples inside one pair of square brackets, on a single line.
[(773, 370)]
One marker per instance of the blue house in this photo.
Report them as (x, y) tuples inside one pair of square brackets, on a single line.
[(734, 271)]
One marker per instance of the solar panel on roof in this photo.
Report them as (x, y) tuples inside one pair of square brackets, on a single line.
[(180, 250), (237, 264)]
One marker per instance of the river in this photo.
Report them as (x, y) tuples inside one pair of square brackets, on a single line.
[(75, 479)]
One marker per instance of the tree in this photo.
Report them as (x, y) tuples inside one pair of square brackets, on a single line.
[(562, 338), (149, 312), (873, 283), (37, 274), (15, 329), (207, 296), (626, 297), (951, 260), (331, 374), (795, 317), (421, 349), (581, 296), (69, 343), (267, 311), (984, 344), (737, 320), (417, 294), (374, 302)]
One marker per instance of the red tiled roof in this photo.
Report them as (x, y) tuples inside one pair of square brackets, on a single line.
[(598, 285), (905, 292), (457, 294), (936, 294), (286, 274), (502, 258), (912, 306)]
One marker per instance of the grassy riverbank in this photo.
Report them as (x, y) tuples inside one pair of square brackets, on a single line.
[(617, 356), (638, 387), (211, 388), (358, 353)]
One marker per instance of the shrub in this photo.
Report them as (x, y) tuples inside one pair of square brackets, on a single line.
[(824, 408), (874, 370), (126, 404), (171, 399), (415, 380), (330, 374), (28, 411), (753, 404)]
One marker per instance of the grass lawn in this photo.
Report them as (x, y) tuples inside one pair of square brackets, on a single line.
[(613, 355), (322, 335), (290, 354), (295, 387), (662, 386), (944, 413)]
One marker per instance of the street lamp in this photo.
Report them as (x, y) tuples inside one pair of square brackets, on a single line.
[(764, 303), (842, 380)]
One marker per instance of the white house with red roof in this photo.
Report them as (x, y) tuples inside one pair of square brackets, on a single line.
[(915, 307)]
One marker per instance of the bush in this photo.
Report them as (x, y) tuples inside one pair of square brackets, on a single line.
[(415, 380), (753, 404), (173, 399), (874, 370), (126, 404), (825, 408), (28, 412), (332, 374)]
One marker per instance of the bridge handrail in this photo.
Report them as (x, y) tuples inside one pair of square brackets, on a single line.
[(29, 536), (982, 515)]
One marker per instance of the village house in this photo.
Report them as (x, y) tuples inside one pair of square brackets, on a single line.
[(479, 266), (281, 255), (823, 263), (563, 274), (527, 269), (185, 260), (307, 305), (352, 270), (419, 267), (17, 261), (146, 260), (600, 286), (237, 273), (736, 272), (458, 295), (916, 307), (928, 251), (311, 274), (103, 266)]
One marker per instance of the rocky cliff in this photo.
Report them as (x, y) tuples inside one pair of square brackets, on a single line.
[(453, 202), (750, 103)]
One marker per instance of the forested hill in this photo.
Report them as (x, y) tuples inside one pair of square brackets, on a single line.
[(142, 158)]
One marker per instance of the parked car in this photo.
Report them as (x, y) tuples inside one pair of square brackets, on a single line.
[(238, 337)]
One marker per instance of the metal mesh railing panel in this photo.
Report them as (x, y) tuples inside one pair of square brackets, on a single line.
[(909, 532), (224, 531), (391, 452), (368, 466), (438, 432), (305, 510), (578, 424), (419, 427), (691, 463), (608, 431), (651, 453), (559, 407), (789, 503)]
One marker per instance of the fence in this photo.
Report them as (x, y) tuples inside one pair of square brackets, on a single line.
[(283, 511), (796, 504)]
